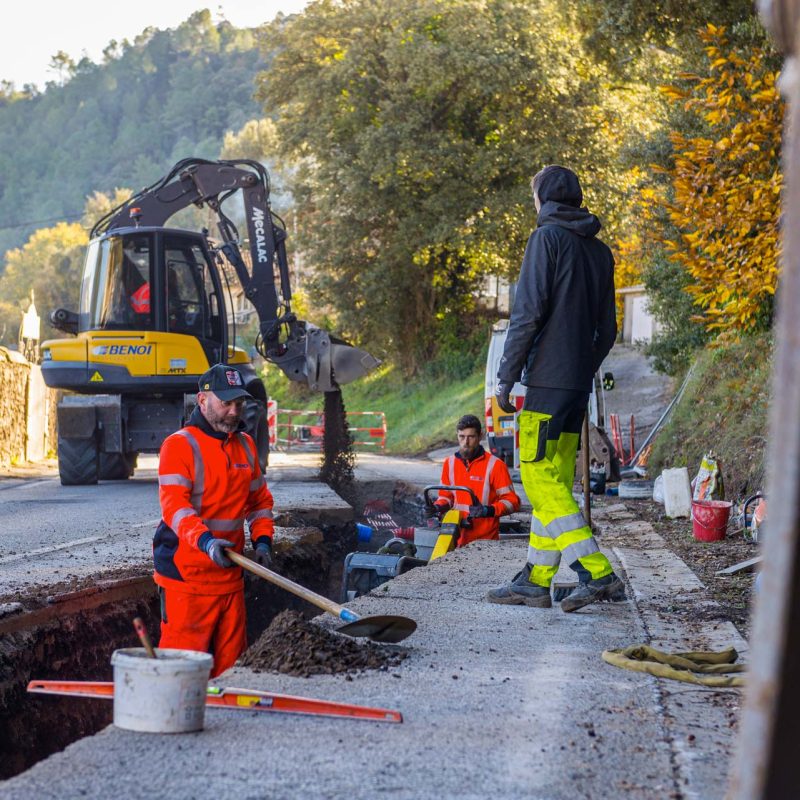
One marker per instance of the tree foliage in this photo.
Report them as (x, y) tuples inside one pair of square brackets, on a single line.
[(415, 128), (623, 30), (726, 188), (49, 264), (707, 238)]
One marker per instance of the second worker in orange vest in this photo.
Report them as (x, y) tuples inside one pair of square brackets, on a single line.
[(486, 475), (210, 482)]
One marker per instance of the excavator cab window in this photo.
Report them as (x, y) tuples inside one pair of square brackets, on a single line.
[(115, 293), (192, 306)]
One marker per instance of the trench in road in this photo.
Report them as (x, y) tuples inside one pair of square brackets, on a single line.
[(72, 637)]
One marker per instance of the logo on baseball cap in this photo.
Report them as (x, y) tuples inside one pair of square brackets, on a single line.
[(224, 381)]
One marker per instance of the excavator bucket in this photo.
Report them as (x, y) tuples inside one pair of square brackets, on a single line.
[(311, 355), (332, 362)]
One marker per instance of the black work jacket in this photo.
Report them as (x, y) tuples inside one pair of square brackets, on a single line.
[(563, 322)]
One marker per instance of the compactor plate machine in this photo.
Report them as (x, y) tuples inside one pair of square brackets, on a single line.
[(153, 317)]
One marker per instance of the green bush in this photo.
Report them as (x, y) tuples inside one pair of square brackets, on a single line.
[(724, 409)]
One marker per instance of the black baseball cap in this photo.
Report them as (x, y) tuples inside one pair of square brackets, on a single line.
[(224, 381)]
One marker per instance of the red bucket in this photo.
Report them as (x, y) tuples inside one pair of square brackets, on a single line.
[(710, 519)]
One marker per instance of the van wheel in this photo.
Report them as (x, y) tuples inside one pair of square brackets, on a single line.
[(78, 462)]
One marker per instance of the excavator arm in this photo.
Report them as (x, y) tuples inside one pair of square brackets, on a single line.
[(303, 351)]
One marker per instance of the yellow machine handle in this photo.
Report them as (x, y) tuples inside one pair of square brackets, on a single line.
[(448, 535)]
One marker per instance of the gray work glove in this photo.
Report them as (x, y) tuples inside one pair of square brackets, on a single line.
[(502, 393), (263, 554), (215, 548), (480, 511)]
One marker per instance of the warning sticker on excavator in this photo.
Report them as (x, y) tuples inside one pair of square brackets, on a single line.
[(96, 377)]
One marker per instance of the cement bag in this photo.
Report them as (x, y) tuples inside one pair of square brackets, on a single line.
[(708, 484)]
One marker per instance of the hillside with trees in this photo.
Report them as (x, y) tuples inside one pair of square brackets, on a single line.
[(415, 128), (121, 123)]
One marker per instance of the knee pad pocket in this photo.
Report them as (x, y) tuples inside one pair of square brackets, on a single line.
[(533, 430)]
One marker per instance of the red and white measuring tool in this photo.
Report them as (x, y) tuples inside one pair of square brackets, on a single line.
[(236, 699)]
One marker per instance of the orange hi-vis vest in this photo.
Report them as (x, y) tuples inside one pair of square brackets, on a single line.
[(489, 479), (140, 299), (209, 483)]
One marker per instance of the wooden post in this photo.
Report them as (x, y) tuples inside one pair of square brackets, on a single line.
[(768, 747), (587, 493)]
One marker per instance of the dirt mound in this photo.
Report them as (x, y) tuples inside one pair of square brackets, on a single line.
[(294, 646)]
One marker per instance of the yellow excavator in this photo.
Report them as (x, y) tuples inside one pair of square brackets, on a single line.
[(153, 317)]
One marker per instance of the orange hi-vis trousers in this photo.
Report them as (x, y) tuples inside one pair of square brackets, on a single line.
[(210, 623)]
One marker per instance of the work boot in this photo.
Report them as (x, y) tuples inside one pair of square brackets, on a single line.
[(605, 588), (520, 592)]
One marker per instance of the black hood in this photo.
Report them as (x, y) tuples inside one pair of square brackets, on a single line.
[(559, 184), (577, 220)]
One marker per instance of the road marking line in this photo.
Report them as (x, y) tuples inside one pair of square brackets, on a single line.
[(147, 524), (42, 550)]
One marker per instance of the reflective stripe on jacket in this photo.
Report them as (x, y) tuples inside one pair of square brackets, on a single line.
[(209, 484), (488, 478)]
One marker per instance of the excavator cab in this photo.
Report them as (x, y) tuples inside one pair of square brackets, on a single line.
[(151, 314)]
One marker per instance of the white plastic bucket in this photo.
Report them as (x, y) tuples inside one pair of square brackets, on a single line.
[(166, 694), (425, 541)]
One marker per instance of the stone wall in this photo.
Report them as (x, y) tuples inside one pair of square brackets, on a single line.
[(27, 411)]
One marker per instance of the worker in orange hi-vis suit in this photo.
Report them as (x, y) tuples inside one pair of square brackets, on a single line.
[(488, 478), (210, 482)]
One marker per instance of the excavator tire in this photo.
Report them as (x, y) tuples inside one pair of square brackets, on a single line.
[(255, 420), (116, 466), (78, 462)]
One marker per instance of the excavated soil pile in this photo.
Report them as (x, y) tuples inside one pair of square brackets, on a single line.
[(293, 646), (338, 455)]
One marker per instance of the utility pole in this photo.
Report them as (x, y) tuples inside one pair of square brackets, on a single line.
[(765, 766)]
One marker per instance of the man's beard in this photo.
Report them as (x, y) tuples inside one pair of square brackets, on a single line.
[(223, 423)]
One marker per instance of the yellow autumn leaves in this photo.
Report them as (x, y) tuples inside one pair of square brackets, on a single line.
[(719, 200)]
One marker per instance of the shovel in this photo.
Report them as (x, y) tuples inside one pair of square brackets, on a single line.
[(386, 629)]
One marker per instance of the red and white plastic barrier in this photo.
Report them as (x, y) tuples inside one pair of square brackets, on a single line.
[(272, 422), (307, 428)]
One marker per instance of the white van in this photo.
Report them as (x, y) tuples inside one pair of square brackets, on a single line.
[(501, 427)]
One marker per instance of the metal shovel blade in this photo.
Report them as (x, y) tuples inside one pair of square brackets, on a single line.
[(385, 629)]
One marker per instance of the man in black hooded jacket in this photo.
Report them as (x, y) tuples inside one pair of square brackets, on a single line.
[(562, 326)]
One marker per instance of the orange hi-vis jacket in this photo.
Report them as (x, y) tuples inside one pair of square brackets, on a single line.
[(488, 478), (209, 483)]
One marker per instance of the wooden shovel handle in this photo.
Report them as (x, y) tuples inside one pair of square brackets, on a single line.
[(141, 630), (295, 588)]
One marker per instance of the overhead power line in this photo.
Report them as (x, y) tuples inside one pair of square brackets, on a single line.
[(36, 222)]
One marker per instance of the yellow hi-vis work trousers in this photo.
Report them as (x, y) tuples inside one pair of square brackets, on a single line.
[(547, 466)]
